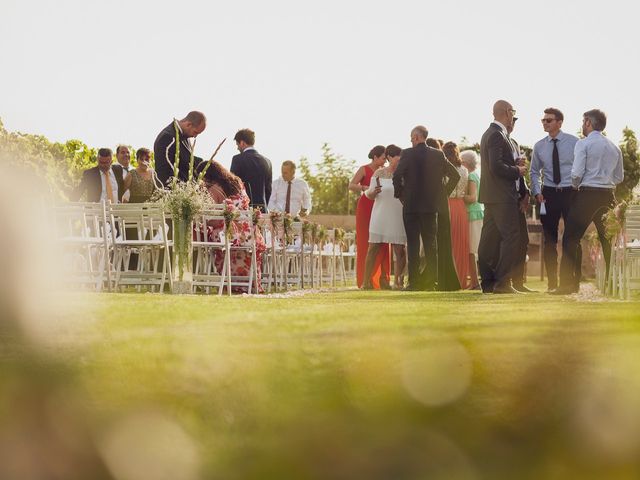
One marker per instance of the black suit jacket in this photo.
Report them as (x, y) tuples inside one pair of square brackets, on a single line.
[(164, 152), (499, 170), (418, 180), (255, 172), (91, 184)]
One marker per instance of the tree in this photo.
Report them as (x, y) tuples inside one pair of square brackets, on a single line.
[(60, 164), (329, 183), (631, 165)]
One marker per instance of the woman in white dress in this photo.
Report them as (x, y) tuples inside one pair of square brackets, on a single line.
[(386, 225)]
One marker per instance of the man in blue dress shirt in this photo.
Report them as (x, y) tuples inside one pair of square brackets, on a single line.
[(597, 169), (551, 164)]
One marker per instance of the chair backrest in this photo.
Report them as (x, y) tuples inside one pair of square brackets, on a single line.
[(211, 217), (79, 220), (147, 220), (632, 223)]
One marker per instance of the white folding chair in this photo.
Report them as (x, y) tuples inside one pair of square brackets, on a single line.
[(205, 248), (141, 229), (628, 253), (82, 233)]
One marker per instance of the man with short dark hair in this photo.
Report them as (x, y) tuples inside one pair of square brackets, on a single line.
[(101, 182), (290, 194), (499, 183), (551, 164), (597, 169), (164, 148), (419, 184), (253, 169)]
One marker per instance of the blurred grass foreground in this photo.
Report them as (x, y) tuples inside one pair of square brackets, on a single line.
[(339, 385)]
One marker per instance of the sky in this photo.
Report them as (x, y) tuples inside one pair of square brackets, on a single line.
[(351, 73)]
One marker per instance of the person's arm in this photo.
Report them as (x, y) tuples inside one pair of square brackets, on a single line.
[(496, 152), (355, 185), (618, 171), (126, 184), (398, 178), (267, 185), (536, 179), (472, 193), (452, 174), (579, 164), (273, 199), (372, 192), (76, 195), (306, 198), (164, 153), (235, 166)]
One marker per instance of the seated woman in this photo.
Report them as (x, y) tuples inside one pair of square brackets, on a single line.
[(142, 181), (225, 187)]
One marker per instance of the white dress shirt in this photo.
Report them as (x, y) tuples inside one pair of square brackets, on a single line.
[(114, 186), (597, 162), (300, 196), (125, 172)]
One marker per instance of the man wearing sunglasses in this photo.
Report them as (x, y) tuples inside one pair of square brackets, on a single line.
[(501, 172), (551, 164)]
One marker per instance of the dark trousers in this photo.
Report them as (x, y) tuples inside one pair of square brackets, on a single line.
[(499, 249), (517, 274), (587, 205), (557, 205), (421, 225)]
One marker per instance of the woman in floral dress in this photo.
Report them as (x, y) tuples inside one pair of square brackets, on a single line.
[(226, 188)]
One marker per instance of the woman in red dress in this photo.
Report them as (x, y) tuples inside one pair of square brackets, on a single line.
[(359, 184), (458, 216)]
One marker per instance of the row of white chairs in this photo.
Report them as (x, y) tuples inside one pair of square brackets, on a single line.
[(624, 272), (114, 246)]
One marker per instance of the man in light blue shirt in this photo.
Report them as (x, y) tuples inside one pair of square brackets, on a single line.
[(551, 164), (597, 169)]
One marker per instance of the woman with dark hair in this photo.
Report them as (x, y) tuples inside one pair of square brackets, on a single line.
[(386, 225), (142, 181), (447, 276), (225, 187), (359, 184), (458, 215)]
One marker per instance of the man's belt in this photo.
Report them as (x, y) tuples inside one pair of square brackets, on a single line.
[(595, 189), (557, 189)]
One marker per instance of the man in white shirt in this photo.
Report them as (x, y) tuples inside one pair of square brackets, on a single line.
[(597, 170), (123, 157), (290, 194)]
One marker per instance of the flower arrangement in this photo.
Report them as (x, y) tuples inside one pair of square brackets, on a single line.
[(322, 233), (338, 235), (256, 215), (230, 214), (614, 220), (184, 201), (307, 226), (287, 225)]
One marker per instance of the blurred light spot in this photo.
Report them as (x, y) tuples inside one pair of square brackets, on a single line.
[(442, 459), (149, 445), (438, 374), (608, 418)]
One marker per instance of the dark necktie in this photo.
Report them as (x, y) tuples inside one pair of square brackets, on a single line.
[(556, 162), (287, 205)]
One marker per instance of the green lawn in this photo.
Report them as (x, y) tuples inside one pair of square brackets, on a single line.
[(356, 384)]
